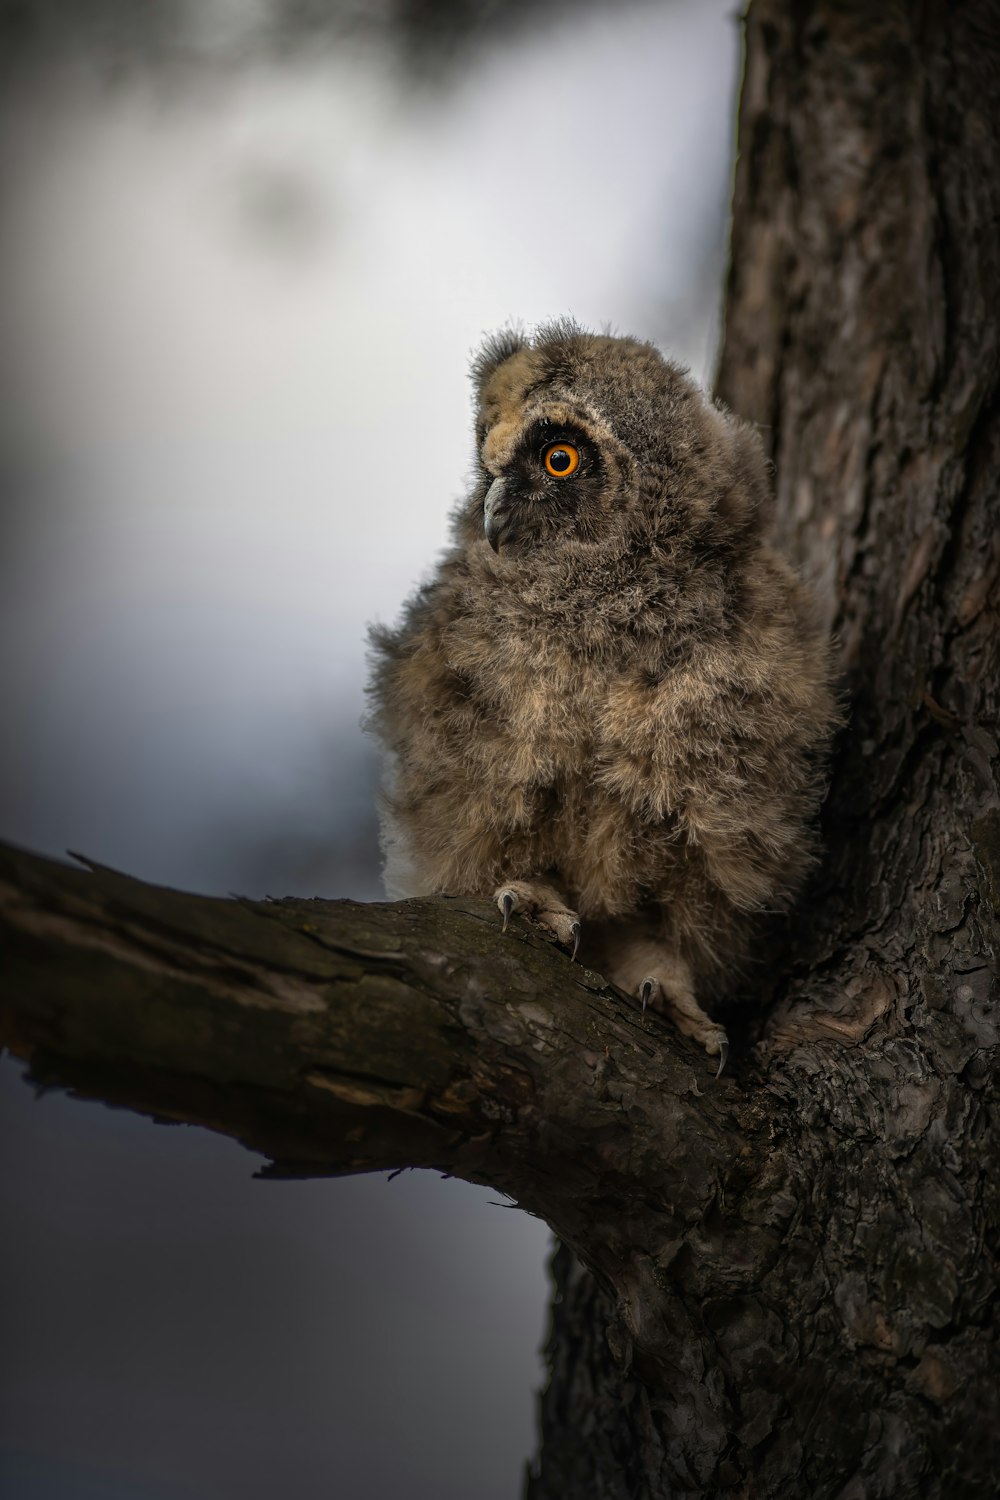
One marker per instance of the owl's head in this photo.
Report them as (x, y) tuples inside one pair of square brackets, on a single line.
[(593, 441)]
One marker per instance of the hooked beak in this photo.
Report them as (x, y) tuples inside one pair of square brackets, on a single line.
[(495, 513)]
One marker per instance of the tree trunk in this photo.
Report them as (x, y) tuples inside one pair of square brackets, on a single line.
[(859, 1358), (781, 1283)]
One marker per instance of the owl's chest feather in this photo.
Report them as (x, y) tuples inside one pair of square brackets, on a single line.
[(542, 706), (539, 763)]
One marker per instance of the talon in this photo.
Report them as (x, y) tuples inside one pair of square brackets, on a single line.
[(575, 930), (506, 906), (647, 990), (723, 1054)]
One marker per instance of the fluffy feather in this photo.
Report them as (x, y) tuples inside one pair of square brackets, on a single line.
[(619, 717)]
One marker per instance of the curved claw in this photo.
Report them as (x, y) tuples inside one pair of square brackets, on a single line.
[(647, 990), (506, 906), (575, 930), (723, 1054)]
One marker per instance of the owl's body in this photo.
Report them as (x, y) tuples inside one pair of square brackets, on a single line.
[(606, 707)]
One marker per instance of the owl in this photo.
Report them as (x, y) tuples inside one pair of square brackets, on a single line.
[(608, 708)]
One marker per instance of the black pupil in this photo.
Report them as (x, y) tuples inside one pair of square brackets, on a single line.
[(559, 460)]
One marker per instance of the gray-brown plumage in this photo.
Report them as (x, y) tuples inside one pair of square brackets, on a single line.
[(608, 708)]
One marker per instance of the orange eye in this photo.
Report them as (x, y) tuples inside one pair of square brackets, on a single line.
[(561, 460)]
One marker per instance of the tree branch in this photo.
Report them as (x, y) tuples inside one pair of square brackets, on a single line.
[(335, 1037)]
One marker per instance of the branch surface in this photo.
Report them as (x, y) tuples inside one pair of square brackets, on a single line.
[(336, 1037)]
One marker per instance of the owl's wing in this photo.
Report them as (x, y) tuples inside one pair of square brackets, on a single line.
[(730, 746)]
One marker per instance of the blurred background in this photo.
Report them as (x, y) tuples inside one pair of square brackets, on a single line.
[(247, 249)]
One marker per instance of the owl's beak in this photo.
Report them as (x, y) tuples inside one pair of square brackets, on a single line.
[(495, 513)]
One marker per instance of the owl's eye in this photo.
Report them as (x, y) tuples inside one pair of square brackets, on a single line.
[(561, 460)]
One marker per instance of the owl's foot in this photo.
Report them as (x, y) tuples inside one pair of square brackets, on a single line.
[(679, 1003), (546, 907)]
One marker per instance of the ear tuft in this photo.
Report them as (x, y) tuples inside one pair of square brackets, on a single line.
[(496, 348)]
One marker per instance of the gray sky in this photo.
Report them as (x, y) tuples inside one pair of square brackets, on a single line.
[(237, 310)]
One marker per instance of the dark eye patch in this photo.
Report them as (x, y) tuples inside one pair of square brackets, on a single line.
[(544, 434)]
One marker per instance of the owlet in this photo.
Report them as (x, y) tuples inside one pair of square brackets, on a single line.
[(608, 709)]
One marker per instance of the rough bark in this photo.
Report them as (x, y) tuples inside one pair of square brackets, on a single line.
[(782, 1284), (338, 1037)]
